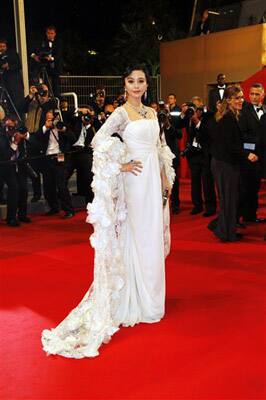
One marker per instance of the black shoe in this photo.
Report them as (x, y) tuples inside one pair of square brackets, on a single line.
[(175, 210), (240, 225), (238, 237), (208, 213), (25, 219), (196, 210), (69, 214), (13, 222), (256, 220), (51, 212), (35, 199)]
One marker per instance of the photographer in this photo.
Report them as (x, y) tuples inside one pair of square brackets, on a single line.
[(10, 76), (99, 102), (103, 115), (195, 117), (13, 171), (49, 56), (172, 135), (55, 140), (80, 158), (36, 105)]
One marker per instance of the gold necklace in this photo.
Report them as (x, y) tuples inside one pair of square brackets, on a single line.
[(141, 111)]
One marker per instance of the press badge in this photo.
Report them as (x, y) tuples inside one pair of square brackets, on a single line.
[(61, 157), (249, 146), (195, 143)]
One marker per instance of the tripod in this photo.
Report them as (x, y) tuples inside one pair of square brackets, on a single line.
[(5, 98), (43, 76)]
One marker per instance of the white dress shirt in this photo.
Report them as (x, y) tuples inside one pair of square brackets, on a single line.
[(53, 145)]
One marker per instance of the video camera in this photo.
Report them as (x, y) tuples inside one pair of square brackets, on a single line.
[(42, 54)]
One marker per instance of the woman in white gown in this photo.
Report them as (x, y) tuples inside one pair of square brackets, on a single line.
[(131, 228)]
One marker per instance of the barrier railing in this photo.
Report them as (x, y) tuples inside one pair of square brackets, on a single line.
[(83, 86)]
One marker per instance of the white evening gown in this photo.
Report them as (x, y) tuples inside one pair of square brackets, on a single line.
[(130, 239)]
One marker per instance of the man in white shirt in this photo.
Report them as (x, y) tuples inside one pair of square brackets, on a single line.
[(55, 142)]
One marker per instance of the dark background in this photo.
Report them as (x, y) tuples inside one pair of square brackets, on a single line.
[(120, 32)]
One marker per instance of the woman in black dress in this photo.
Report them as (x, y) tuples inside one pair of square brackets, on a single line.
[(227, 153)]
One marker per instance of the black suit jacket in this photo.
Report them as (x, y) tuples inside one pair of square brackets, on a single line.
[(90, 132), (252, 131), (214, 96), (171, 136), (225, 139), (65, 140), (263, 160), (12, 78), (56, 52)]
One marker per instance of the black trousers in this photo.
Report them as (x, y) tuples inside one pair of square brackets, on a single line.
[(2, 183), (55, 185), (227, 180), (17, 190), (175, 199), (82, 163), (250, 181), (202, 180)]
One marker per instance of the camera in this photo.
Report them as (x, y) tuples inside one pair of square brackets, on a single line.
[(190, 110), (87, 117), (42, 54), (100, 93), (189, 150), (3, 59), (21, 129), (40, 91), (163, 113)]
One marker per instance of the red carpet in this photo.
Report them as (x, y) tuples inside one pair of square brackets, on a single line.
[(210, 345)]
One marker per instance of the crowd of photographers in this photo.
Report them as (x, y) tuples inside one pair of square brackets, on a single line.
[(46, 149), (44, 142), (55, 141)]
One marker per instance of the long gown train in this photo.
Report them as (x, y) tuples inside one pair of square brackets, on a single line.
[(131, 239)]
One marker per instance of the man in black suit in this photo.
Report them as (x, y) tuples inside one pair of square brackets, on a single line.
[(36, 105), (13, 171), (217, 93), (198, 156), (55, 141), (252, 132), (80, 158), (10, 76), (172, 135), (49, 55)]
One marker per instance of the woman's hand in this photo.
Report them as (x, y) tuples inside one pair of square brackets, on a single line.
[(165, 183), (166, 186), (135, 167)]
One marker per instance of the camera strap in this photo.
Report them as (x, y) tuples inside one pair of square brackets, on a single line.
[(61, 156)]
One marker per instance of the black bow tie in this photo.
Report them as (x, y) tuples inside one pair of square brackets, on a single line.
[(259, 109), (223, 87)]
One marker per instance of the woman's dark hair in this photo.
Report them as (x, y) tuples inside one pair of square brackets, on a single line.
[(136, 67)]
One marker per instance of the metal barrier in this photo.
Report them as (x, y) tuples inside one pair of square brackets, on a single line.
[(83, 86)]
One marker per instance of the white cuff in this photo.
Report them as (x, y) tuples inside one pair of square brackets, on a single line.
[(198, 124), (14, 146)]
